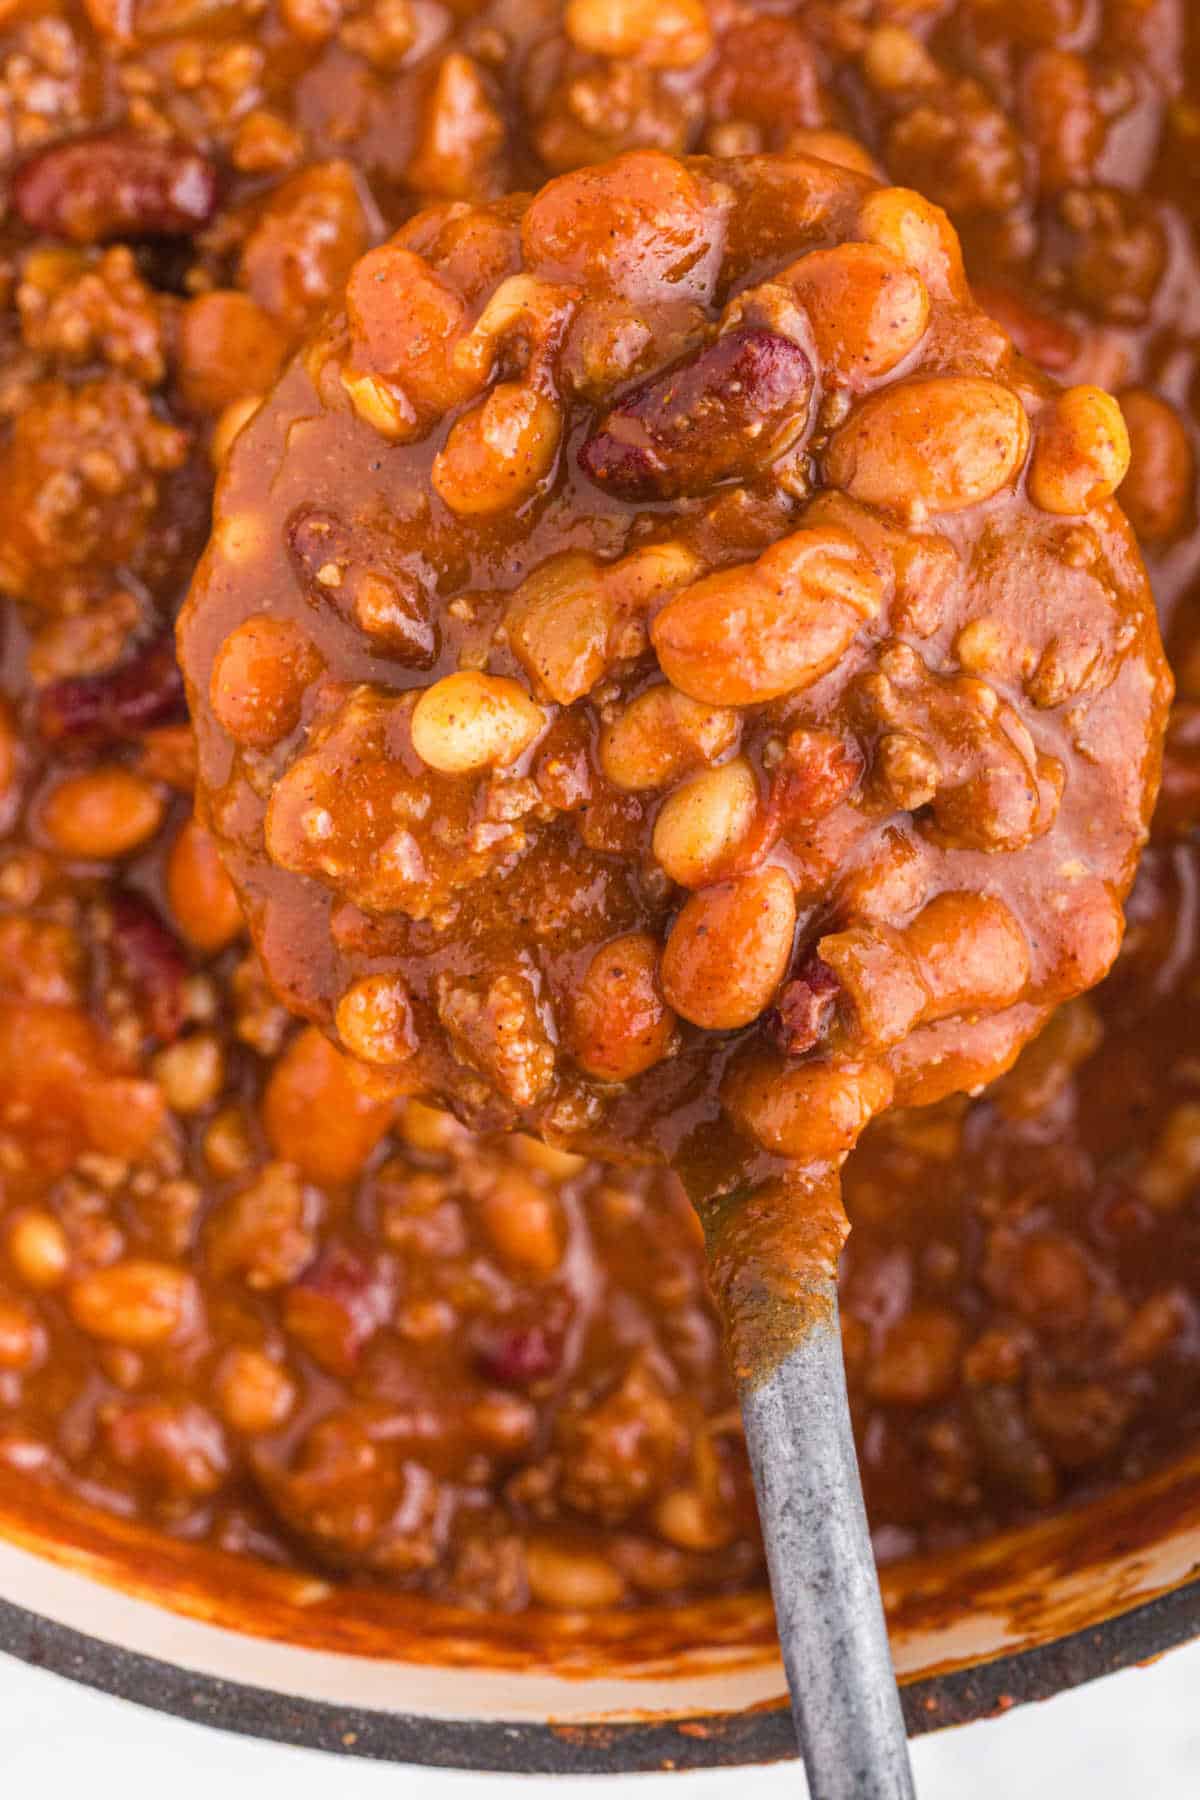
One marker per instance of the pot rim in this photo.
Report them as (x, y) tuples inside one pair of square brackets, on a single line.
[(758, 1735)]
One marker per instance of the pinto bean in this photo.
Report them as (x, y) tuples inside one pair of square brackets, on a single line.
[(702, 822), (620, 1023), (868, 310), (728, 950), (1082, 452), (767, 628), (934, 445), (260, 677), (469, 721), (812, 1111)]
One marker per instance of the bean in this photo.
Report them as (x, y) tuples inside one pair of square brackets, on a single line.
[(919, 1361), (729, 949), (835, 147), (428, 1128), (303, 244), (106, 813), (374, 1020), (809, 1111), (406, 321), (628, 227), (38, 1248), (919, 234), (868, 310), (1167, 1177), (123, 1116), (1082, 452), (620, 1023), (191, 1074), (1037, 333), (893, 59), (229, 347), (702, 822), (661, 735), (964, 953), (117, 705), (524, 1221), (1065, 120), (471, 721), (662, 34), (728, 411), (138, 1303), (115, 184), (933, 445), (688, 1518), (498, 455), (559, 1165), (767, 628), (571, 1580), (461, 137), (202, 898), (260, 677), (318, 1114), (22, 1339), (1157, 493), (254, 1392), (149, 956), (558, 623), (1052, 1284)]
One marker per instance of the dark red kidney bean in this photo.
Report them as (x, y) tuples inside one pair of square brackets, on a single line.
[(727, 412), (806, 1007), (338, 1305), (372, 587), (115, 184), (518, 1355), (152, 960), (117, 705)]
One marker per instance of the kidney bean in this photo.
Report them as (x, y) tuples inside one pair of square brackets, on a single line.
[(117, 705), (517, 1355), (152, 960), (1038, 334), (114, 184), (731, 410), (361, 575)]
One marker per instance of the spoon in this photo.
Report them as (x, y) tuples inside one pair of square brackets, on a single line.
[(773, 1260)]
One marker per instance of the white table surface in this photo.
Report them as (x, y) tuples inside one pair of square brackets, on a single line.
[(1133, 1736)]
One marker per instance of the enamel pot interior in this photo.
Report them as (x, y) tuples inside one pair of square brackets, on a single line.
[(201, 1634)]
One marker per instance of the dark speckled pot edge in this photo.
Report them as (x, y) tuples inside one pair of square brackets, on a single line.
[(757, 1736)]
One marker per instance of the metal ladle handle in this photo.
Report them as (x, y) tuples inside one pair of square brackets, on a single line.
[(828, 1608)]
